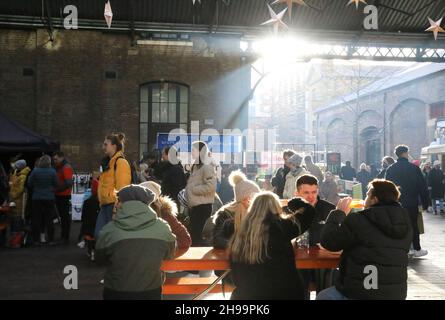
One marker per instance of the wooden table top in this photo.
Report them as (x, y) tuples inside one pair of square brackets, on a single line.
[(207, 258)]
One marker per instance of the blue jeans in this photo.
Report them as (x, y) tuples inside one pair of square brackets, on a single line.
[(331, 294), (105, 215)]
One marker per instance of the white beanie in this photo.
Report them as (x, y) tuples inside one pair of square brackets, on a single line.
[(296, 160), (243, 188), (153, 187)]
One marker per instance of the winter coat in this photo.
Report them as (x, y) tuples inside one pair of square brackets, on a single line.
[(322, 208), (65, 177), (110, 181), (291, 182), (90, 211), (279, 180), (379, 237), (277, 277), (382, 174), (329, 191), (315, 171), (201, 185), (224, 227), (411, 182), (364, 177), (347, 173), (134, 244), (436, 182), (173, 180), (18, 189), (43, 182), (168, 211)]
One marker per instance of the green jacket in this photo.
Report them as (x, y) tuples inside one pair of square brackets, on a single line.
[(134, 244)]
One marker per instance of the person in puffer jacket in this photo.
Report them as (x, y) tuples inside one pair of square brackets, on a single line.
[(167, 209), (200, 191), (375, 244), (134, 245)]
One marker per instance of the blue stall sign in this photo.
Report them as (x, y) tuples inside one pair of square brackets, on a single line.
[(216, 143)]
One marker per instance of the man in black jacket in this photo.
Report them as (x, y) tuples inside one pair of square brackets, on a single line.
[(412, 185), (279, 180), (308, 189), (347, 172), (375, 243)]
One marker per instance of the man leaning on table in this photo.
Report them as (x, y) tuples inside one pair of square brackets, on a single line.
[(375, 244)]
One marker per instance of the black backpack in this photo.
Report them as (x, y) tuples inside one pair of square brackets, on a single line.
[(134, 176)]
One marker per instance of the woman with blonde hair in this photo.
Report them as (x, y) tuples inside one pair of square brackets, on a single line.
[(229, 217), (261, 255)]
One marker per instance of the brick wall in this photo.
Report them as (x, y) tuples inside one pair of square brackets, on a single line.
[(69, 99)]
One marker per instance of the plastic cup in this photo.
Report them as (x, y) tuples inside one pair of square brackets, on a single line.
[(357, 204)]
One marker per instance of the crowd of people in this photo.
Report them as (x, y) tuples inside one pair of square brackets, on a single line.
[(132, 220), (37, 198)]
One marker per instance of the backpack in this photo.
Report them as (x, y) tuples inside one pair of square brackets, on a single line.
[(134, 175)]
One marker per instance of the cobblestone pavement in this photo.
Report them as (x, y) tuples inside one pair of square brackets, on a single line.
[(37, 273)]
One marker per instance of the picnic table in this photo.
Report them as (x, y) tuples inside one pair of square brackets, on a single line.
[(208, 258)]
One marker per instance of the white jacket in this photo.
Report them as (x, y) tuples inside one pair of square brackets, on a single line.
[(291, 182), (201, 186)]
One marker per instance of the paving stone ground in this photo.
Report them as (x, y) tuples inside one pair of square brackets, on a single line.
[(37, 273)]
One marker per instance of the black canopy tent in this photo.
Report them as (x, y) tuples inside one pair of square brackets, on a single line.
[(15, 138)]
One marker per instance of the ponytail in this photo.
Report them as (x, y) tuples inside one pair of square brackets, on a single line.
[(117, 139)]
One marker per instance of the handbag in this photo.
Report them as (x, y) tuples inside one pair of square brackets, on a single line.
[(183, 199)]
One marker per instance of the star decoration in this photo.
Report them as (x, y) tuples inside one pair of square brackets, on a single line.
[(108, 14), (275, 19), (290, 5), (435, 27), (356, 2)]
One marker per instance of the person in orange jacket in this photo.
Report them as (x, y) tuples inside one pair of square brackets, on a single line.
[(63, 193)]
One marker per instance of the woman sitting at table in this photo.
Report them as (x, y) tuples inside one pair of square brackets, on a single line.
[(375, 244), (262, 257), (229, 217)]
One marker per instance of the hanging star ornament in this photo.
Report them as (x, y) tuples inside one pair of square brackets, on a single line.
[(108, 14), (435, 27), (356, 2), (276, 20), (290, 5)]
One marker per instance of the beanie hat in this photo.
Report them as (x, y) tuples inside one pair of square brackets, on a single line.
[(153, 187), (20, 164), (296, 160), (136, 193), (243, 188)]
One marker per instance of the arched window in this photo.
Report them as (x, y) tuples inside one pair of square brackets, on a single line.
[(164, 107)]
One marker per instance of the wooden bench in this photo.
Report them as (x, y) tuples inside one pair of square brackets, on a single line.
[(193, 286), (207, 258)]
